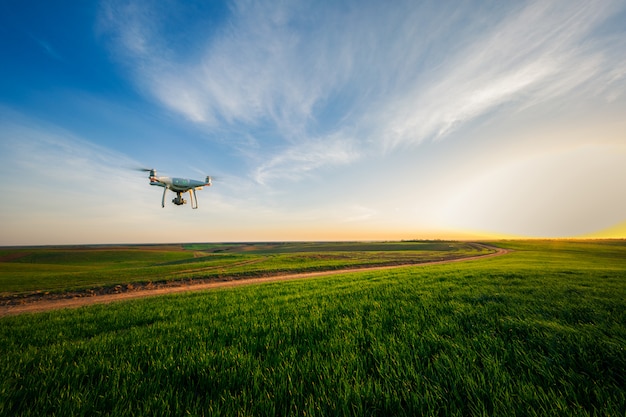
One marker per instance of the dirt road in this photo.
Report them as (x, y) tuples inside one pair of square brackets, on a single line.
[(46, 304)]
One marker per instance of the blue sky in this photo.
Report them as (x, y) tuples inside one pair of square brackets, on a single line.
[(331, 120)]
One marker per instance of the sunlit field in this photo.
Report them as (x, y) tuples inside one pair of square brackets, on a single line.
[(539, 331), (66, 268)]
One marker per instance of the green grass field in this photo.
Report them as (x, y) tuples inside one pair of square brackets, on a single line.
[(540, 331), (24, 270)]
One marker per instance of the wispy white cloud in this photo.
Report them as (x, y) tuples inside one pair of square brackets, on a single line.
[(45, 154), (535, 54), (252, 69), (62, 188), (297, 161), (323, 80)]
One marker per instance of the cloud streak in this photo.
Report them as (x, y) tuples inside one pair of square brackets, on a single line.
[(62, 188), (297, 161), (322, 81), (532, 56)]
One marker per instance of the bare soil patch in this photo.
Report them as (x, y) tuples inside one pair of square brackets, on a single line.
[(13, 256)]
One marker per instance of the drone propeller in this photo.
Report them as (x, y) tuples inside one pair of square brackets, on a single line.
[(152, 171)]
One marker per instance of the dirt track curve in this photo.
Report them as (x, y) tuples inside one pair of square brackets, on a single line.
[(44, 304)]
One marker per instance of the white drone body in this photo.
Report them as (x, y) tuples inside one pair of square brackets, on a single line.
[(179, 186)]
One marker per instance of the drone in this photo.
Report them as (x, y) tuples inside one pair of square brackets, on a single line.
[(179, 186)]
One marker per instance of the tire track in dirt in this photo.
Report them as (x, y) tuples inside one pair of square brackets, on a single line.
[(42, 305), (217, 267)]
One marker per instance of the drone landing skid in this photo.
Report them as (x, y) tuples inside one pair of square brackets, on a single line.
[(193, 198)]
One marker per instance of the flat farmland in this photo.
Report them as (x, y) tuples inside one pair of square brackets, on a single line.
[(50, 269), (538, 331)]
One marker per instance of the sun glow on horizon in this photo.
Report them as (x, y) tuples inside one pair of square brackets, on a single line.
[(616, 232)]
